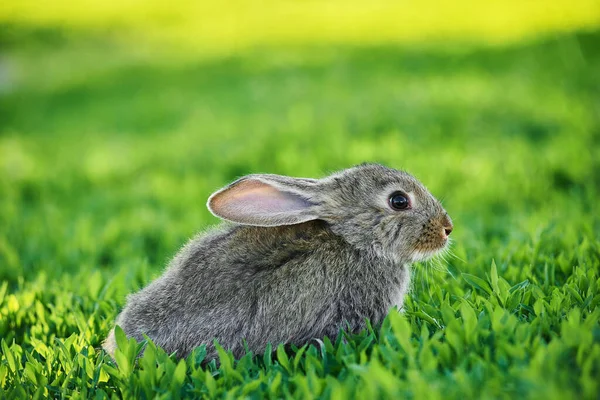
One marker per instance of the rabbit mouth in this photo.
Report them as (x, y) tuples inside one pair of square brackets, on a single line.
[(425, 253)]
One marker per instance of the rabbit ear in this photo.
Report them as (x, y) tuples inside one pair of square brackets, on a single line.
[(265, 200)]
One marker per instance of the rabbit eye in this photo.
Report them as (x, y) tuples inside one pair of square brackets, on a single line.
[(399, 201)]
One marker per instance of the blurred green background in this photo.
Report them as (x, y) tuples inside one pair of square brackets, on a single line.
[(118, 119)]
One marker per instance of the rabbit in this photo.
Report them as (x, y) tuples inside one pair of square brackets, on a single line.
[(298, 259)]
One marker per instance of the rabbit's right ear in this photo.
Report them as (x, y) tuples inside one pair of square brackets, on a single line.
[(265, 200)]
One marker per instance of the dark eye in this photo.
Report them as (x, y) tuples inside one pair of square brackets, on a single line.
[(399, 201)]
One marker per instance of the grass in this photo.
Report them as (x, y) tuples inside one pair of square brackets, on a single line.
[(107, 156)]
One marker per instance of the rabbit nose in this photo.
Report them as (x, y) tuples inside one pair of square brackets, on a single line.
[(447, 225)]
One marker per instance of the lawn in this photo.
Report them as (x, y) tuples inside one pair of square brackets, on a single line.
[(108, 153)]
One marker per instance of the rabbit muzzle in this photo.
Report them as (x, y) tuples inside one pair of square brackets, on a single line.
[(434, 237)]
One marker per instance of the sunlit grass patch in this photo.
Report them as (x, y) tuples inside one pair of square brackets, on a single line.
[(233, 26)]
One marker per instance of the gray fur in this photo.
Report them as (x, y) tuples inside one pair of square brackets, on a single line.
[(345, 261)]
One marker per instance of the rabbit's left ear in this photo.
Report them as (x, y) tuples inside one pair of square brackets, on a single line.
[(266, 200)]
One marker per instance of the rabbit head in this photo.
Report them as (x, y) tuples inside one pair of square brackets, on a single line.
[(384, 211)]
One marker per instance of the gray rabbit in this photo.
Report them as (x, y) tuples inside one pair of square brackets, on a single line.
[(302, 259)]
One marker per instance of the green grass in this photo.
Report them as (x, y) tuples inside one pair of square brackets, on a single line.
[(107, 156)]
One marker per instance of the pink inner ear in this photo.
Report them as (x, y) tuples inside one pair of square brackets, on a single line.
[(253, 201)]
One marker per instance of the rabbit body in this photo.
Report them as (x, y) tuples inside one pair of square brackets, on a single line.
[(294, 278), (287, 285)]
